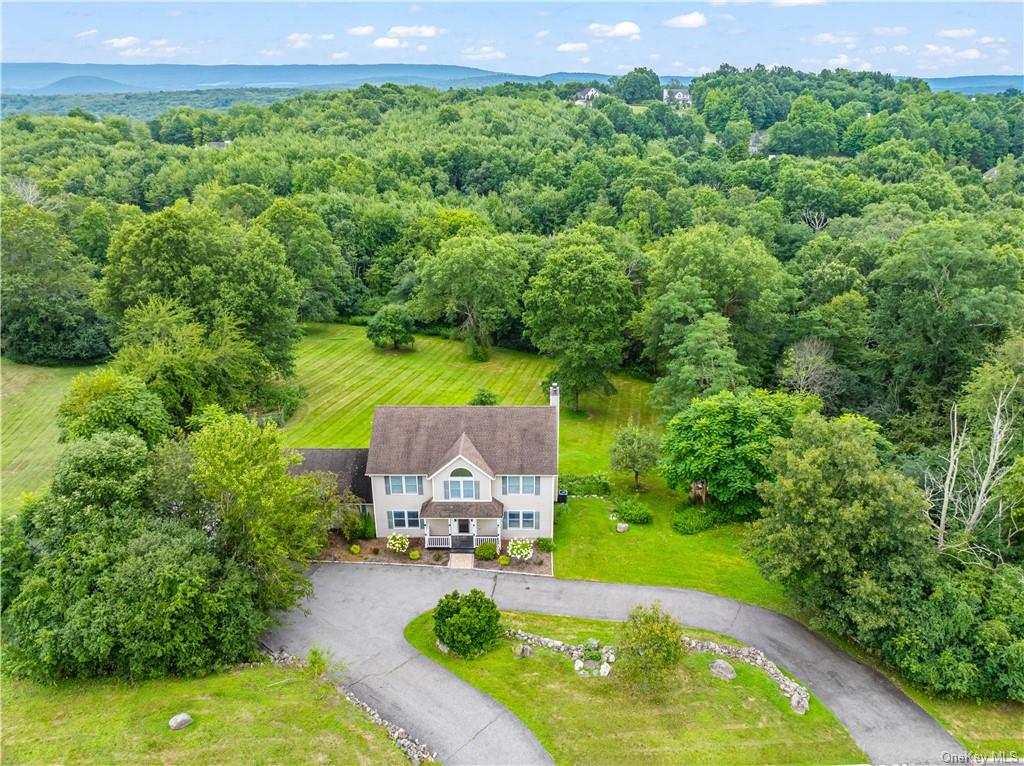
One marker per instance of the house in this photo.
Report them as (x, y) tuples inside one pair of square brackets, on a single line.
[(455, 476), (217, 144), (679, 97), (586, 96)]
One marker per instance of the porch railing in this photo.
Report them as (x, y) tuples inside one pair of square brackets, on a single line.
[(479, 539), (439, 541)]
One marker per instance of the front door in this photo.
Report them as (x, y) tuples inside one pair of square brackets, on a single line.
[(463, 526)]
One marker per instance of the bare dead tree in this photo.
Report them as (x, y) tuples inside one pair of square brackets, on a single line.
[(816, 219), (966, 501), (27, 190)]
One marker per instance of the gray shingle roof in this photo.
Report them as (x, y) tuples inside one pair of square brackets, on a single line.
[(349, 465), (434, 509), (511, 440)]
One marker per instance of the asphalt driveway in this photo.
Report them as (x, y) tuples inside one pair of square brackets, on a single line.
[(359, 612)]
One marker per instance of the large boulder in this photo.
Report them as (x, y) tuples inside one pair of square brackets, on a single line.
[(605, 668), (522, 650), (799, 703), (621, 527), (722, 669), (180, 721)]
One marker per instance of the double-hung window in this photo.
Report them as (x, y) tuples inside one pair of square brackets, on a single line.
[(460, 485), (520, 485), (521, 520), (403, 519), (403, 485)]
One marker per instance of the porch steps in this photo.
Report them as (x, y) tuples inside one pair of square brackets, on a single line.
[(461, 561)]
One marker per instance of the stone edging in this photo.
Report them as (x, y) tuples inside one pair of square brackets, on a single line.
[(573, 652), (417, 752), (799, 697)]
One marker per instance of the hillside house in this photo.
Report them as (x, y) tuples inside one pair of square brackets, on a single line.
[(677, 97), (454, 476)]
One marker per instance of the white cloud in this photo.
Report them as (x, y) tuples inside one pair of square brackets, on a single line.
[(270, 52), (415, 8), (835, 38), (389, 43), (86, 33), (938, 50), (585, 60), (360, 31), (957, 33), (725, 17), (421, 48), (483, 53), (417, 31), (794, 3), (654, 56), (686, 21), (902, 50), (542, 34), (990, 40), (843, 61), (969, 54), (298, 40), (156, 49), (572, 47), (328, 36), (890, 31), (122, 42), (677, 64), (622, 29), (339, 55)]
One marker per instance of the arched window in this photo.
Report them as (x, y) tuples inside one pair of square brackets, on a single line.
[(461, 486)]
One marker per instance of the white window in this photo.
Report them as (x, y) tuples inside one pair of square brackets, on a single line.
[(520, 485), (403, 519), (522, 520), (461, 486), (403, 485)]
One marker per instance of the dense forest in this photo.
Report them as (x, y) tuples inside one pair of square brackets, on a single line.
[(834, 260)]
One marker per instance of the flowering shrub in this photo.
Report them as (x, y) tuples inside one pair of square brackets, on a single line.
[(398, 543), (521, 548), (414, 555)]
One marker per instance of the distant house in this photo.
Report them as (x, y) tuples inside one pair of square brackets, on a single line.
[(758, 139), (454, 476), (989, 174), (218, 144), (586, 96), (678, 97)]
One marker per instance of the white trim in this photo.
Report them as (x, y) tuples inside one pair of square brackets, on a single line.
[(460, 456)]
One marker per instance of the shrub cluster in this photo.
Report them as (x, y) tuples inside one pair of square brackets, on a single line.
[(466, 624), (650, 648), (691, 519), (545, 544), (414, 555), (486, 551), (585, 484), (630, 509)]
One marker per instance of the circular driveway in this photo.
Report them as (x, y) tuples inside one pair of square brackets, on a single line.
[(358, 612)]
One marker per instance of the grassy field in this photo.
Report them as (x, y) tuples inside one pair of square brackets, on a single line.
[(345, 376), (28, 433), (261, 715), (594, 721)]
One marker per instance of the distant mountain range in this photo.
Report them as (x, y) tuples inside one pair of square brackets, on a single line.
[(45, 79)]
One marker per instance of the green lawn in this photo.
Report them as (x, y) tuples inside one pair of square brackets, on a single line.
[(589, 548), (594, 721), (261, 715), (345, 376), (28, 432)]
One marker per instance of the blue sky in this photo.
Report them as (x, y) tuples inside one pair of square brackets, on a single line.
[(913, 38)]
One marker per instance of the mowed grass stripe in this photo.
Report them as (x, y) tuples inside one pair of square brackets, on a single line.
[(346, 377), (28, 428)]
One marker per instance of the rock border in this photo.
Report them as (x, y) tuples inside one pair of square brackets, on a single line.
[(799, 697), (575, 652), (417, 752)]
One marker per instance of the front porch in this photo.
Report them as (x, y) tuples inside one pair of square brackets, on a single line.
[(461, 534), (461, 526)]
